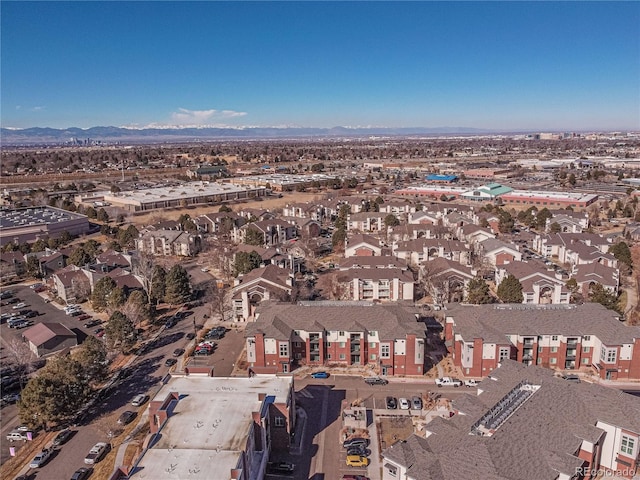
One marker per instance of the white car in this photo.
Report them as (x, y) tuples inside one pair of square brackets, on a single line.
[(139, 400), (404, 404)]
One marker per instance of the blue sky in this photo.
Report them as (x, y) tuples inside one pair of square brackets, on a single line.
[(494, 65)]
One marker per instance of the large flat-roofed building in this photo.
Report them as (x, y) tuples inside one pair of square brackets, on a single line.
[(182, 195), (204, 427), (562, 337), (30, 224), (525, 423), (282, 182), (549, 199)]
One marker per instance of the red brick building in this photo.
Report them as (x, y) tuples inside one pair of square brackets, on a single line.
[(285, 337), (564, 337)]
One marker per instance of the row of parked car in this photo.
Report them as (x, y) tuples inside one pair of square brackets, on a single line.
[(357, 452)]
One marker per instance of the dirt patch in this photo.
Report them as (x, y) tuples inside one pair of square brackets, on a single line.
[(394, 429)]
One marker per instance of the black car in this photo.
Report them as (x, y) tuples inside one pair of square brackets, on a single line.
[(178, 351), (359, 451), (126, 417), (82, 473), (356, 442), (376, 381), (92, 323), (190, 336), (169, 362), (281, 467), (392, 403), (31, 314), (62, 437), (170, 323)]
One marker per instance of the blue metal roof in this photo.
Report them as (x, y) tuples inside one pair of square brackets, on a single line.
[(441, 178)]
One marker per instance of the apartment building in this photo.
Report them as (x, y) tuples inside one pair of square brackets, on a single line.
[(203, 427), (562, 337), (525, 423), (386, 337)]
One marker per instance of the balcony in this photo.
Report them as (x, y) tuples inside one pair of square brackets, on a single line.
[(571, 354), (355, 349), (528, 342)]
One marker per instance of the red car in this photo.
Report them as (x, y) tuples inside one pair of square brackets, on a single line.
[(84, 316)]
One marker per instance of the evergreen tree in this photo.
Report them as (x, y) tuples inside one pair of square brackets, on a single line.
[(55, 395), (478, 292), (510, 290), (599, 294), (79, 257), (542, 216), (622, 253), (555, 228), (245, 262), (120, 332), (92, 356), (101, 292), (254, 237), (391, 220), (178, 288), (158, 284)]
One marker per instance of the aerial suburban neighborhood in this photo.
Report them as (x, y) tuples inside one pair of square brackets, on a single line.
[(381, 309)]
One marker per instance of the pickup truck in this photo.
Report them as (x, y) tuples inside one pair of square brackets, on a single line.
[(15, 435), (96, 453), (448, 382), (471, 383)]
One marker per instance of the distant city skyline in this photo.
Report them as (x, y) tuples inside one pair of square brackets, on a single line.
[(503, 66)]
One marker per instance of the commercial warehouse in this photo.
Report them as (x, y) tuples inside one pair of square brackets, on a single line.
[(29, 224)]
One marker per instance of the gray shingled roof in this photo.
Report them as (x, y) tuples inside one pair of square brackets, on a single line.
[(537, 442), (278, 320), (493, 322)]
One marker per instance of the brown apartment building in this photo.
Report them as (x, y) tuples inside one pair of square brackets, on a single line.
[(388, 338), (563, 337)]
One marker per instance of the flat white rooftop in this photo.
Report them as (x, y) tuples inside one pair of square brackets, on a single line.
[(550, 195), (208, 426), (187, 190)]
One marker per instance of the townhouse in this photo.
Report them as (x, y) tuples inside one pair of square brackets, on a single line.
[(369, 222), (376, 284), (444, 280), (525, 423), (562, 337), (261, 284), (387, 338), (273, 231), (362, 245), (588, 274), (539, 285), (424, 249), (497, 252), (168, 243)]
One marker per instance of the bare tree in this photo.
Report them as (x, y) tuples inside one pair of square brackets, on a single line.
[(219, 299), (20, 355), (144, 267)]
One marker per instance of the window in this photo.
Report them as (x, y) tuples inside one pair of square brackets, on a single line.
[(539, 361), (554, 338), (503, 354), (279, 421), (341, 334), (586, 349), (284, 350), (373, 356), (608, 355), (384, 351), (342, 344), (554, 349), (553, 361), (328, 356), (296, 344), (296, 333), (298, 356), (328, 344), (342, 356), (587, 338), (372, 344), (373, 333), (627, 445), (391, 470), (585, 361)]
